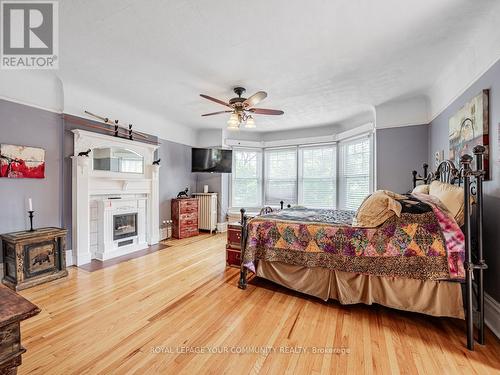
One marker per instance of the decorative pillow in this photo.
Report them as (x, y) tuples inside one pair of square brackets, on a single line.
[(377, 208), (452, 196), (423, 189)]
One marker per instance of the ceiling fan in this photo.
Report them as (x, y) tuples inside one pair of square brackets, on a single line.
[(242, 109)]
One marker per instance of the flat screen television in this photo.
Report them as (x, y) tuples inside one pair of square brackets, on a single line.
[(211, 160)]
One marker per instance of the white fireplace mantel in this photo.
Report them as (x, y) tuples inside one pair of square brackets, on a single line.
[(90, 186)]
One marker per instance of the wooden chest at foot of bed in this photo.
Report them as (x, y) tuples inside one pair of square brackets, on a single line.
[(233, 246), (32, 258)]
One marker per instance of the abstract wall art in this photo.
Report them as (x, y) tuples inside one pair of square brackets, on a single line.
[(469, 127), (22, 161)]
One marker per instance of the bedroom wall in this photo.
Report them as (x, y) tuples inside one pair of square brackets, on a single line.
[(400, 150), (438, 132), (300, 133), (175, 174), (217, 182), (28, 126)]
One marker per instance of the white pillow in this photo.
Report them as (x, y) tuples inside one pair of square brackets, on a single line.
[(423, 189), (452, 196)]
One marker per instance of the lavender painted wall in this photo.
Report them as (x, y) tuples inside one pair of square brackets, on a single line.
[(175, 174), (400, 151), (27, 126), (439, 141)]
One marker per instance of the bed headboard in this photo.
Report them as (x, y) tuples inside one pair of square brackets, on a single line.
[(445, 172)]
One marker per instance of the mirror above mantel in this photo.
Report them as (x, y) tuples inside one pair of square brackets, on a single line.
[(115, 159)]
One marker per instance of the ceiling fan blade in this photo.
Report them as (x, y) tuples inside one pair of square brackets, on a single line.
[(215, 100), (262, 111), (255, 99), (216, 113)]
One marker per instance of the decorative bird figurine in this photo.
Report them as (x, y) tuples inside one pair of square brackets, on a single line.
[(84, 153)]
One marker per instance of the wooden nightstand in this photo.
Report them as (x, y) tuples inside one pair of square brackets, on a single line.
[(233, 246)]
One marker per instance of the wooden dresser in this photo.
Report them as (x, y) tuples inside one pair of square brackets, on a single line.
[(13, 309), (32, 258), (233, 246), (184, 217)]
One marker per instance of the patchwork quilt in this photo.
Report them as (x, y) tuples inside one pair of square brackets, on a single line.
[(423, 243)]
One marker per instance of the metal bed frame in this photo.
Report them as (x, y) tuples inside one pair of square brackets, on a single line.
[(472, 182)]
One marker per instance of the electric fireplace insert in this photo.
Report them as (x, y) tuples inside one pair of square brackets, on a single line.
[(124, 225)]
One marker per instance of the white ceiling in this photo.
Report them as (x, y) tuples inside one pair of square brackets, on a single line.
[(320, 61)]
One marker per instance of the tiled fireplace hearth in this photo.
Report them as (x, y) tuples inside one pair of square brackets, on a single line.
[(115, 211)]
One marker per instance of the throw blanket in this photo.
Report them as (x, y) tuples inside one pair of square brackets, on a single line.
[(424, 243)]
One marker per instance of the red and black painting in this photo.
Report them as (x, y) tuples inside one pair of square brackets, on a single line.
[(22, 161)]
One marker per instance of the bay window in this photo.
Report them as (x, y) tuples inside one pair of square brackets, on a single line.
[(330, 175)]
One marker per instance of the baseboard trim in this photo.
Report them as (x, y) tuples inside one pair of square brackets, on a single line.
[(492, 314), (69, 258)]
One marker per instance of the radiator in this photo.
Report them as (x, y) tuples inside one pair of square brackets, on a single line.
[(207, 211)]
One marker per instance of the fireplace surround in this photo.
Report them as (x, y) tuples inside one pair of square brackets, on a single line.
[(114, 213)]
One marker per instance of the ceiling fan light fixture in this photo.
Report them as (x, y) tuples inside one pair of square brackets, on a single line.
[(233, 123), (242, 109), (250, 123)]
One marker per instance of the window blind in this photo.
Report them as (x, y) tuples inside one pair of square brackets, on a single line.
[(336, 175), (318, 174), (246, 178), (280, 175), (355, 172)]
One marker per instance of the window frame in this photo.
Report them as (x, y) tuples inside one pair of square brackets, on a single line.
[(260, 176), (265, 170), (341, 193), (339, 203), (300, 165)]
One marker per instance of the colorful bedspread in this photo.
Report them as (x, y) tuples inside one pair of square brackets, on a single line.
[(423, 243)]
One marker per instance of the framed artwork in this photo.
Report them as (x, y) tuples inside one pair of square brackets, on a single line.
[(438, 158), (469, 127), (22, 161)]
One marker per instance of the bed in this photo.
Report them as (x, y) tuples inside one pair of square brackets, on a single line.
[(419, 261)]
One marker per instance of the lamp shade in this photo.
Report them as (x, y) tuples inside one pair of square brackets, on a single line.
[(233, 123), (250, 124)]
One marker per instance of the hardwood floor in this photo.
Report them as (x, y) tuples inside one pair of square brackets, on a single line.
[(139, 316)]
